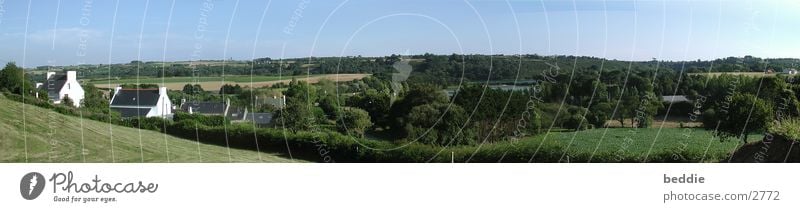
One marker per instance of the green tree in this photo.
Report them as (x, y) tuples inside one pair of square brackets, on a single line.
[(418, 94), (439, 124), (746, 114), (599, 114), (13, 79), (375, 103), (297, 115), (353, 121), (192, 89), (93, 99)]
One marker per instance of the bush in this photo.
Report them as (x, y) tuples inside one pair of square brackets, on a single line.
[(787, 128), (202, 119)]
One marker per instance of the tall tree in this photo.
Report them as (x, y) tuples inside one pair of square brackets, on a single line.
[(353, 121), (746, 114), (13, 79)]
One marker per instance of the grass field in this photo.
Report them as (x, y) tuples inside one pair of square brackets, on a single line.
[(214, 83), (697, 144), (53, 137)]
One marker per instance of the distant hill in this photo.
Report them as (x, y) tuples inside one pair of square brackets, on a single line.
[(53, 137)]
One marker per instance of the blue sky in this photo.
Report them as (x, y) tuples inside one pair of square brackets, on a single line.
[(71, 32)]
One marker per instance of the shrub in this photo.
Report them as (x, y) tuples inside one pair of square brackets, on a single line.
[(201, 119), (787, 128)]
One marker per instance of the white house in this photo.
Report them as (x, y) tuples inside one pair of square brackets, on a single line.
[(133, 103), (59, 86), (790, 71)]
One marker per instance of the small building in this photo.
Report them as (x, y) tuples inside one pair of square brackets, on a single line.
[(206, 108), (134, 103), (63, 85), (259, 119), (790, 71)]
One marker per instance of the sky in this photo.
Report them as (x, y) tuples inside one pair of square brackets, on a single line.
[(69, 32)]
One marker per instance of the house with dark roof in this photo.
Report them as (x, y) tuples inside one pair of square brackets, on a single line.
[(243, 116), (234, 114), (133, 103), (63, 85), (206, 108)]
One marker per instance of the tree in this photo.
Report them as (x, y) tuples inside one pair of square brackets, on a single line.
[(192, 89), (329, 106), (13, 79), (353, 121), (646, 108), (230, 89), (746, 114), (599, 114), (436, 124), (93, 99), (297, 115), (375, 103), (418, 94)]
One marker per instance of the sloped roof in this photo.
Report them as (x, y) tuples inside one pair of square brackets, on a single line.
[(204, 107), (235, 113), (136, 97), (54, 85), (259, 118)]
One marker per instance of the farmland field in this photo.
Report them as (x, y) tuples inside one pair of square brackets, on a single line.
[(53, 137), (750, 74), (690, 143), (214, 83)]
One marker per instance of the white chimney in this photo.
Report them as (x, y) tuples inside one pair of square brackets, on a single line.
[(50, 74), (162, 91), (71, 75)]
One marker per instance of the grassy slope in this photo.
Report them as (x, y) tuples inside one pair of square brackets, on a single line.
[(686, 142), (53, 137)]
